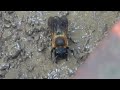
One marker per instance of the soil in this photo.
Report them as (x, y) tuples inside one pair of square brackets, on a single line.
[(25, 42)]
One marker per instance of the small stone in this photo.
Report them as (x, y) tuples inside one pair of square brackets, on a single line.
[(36, 37), (4, 66), (70, 72), (13, 25)]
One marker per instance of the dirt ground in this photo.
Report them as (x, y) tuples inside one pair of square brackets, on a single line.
[(25, 43)]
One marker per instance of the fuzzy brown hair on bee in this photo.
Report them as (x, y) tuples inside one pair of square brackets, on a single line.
[(59, 40)]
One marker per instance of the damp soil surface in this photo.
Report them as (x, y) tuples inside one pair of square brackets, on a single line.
[(25, 42)]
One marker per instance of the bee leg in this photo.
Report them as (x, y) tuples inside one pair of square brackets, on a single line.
[(71, 40), (52, 53), (54, 56), (67, 56), (71, 51), (55, 60)]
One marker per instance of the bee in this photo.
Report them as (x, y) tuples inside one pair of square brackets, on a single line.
[(59, 38)]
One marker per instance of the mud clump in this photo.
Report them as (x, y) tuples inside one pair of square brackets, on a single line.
[(25, 42)]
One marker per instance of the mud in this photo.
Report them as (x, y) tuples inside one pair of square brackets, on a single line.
[(25, 42)]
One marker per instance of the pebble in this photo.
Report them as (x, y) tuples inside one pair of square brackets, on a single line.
[(4, 66)]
